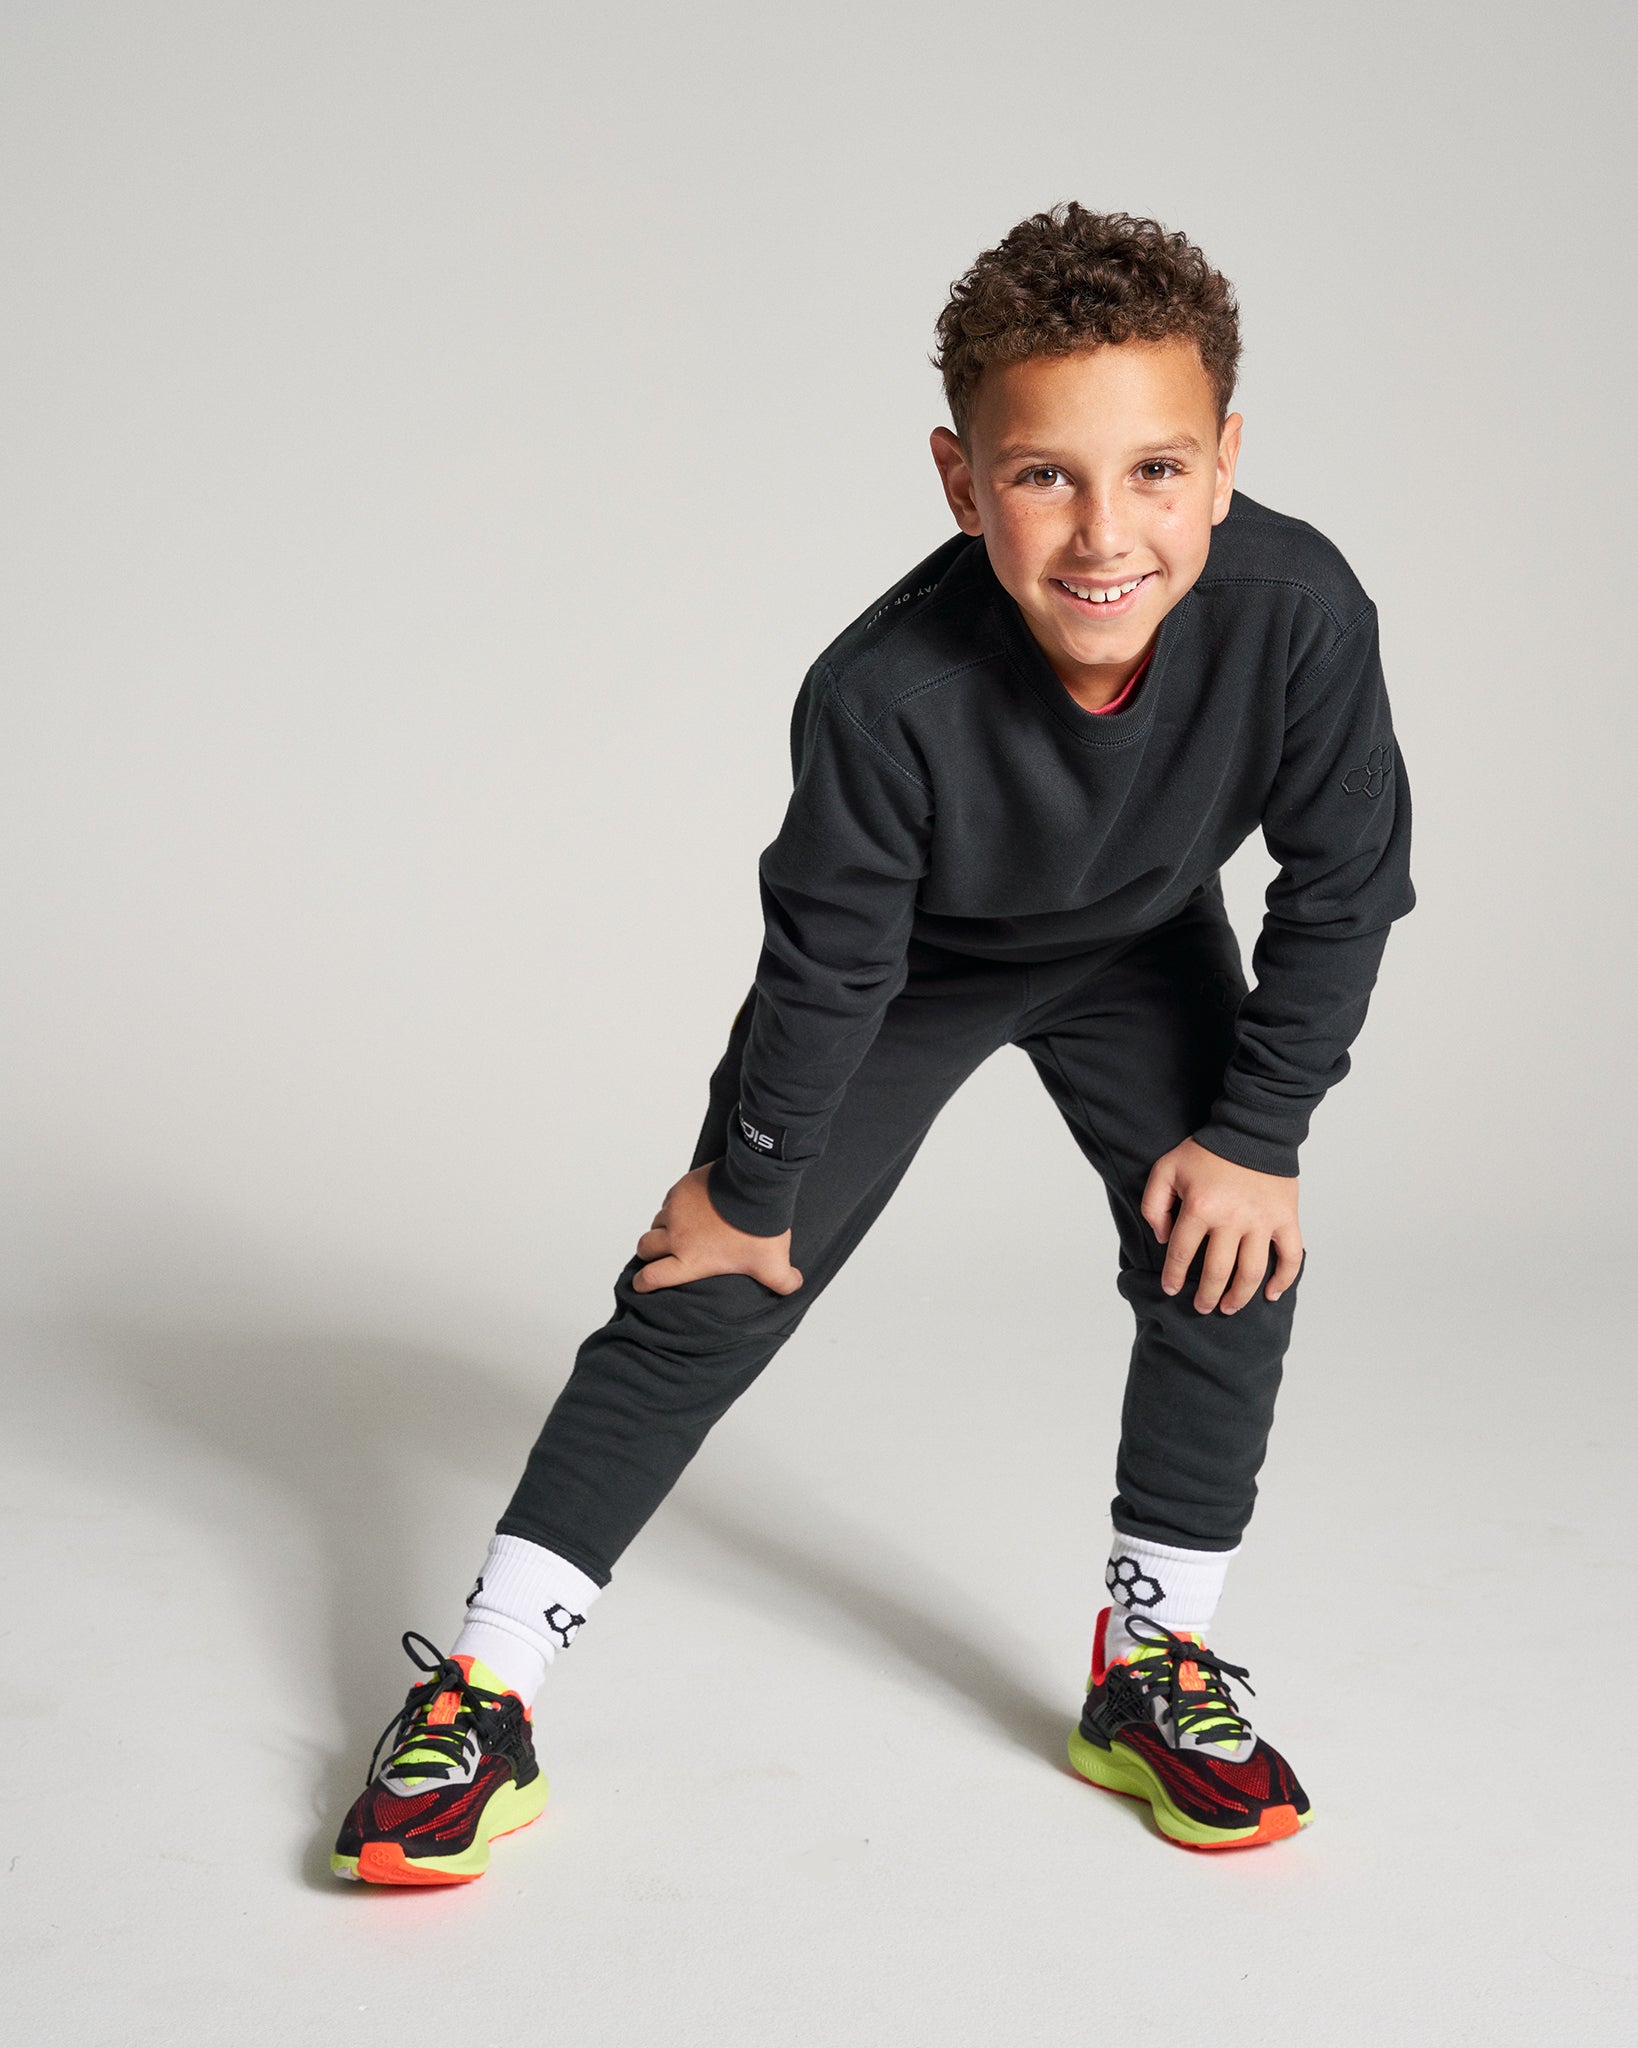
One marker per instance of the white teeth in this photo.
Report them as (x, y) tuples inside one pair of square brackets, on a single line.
[(1101, 596)]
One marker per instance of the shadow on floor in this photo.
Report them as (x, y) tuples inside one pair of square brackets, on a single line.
[(360, 1429), (814, 1554)]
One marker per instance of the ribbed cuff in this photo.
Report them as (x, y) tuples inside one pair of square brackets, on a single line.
[(1262, 1155), (753, 1194)]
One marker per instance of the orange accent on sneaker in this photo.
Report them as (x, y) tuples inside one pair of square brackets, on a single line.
[(1276, 1823), (1188, 1676), (443, 1709), (386, 1863)]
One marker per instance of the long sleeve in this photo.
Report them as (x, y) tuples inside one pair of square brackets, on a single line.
[(1338, 820), (838, 889)]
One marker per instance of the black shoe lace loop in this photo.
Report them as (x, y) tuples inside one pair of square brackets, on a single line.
[(1213, 1703), (475, 1709)]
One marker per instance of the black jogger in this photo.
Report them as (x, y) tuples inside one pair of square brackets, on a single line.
[(1131, 1043)]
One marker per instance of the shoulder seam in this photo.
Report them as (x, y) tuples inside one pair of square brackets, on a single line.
[(1318, 667), (834, 696), (1284, 583), (945, 675)]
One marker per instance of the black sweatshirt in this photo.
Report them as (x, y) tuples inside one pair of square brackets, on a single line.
[(948, 786)]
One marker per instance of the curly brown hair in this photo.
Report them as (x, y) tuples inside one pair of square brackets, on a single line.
[(1073, 279)]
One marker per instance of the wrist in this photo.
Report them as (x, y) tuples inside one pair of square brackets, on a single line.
[(748, 1198)]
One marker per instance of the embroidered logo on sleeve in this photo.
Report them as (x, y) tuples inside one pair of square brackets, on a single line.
[(1371, 778), (767, 1139)]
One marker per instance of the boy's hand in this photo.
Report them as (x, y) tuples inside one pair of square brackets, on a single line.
[(690, 1241), (1239, 1209)]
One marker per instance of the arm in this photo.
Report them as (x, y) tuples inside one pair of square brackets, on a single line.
[(1338, 820), (838, 888)]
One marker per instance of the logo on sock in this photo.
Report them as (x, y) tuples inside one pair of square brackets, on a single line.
[(1130, 1585), (564, 1623), (476, 1590)]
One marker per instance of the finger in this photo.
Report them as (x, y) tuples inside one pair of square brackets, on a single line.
[(653, 1244), (668, 1272), (1289, 1246), (1248, 1273), (1156, 1206), (788, 1282), (1221, 1254), (1186, 1233)]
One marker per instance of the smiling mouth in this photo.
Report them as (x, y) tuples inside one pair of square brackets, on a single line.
[(1102, 597)]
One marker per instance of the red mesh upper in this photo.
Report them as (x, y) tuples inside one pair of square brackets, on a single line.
[(1214, 1790), (391, 1811)]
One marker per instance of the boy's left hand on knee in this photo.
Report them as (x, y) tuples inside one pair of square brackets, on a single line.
[(1237, 1211)]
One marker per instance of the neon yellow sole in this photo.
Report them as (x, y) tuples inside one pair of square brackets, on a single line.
[(385, 1862), (1117, 1769)]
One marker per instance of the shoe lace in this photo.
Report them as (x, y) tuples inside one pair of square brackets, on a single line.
[(1204, 1709), (437, 1749)]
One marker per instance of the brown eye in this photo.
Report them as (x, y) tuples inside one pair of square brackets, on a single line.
[(1046, 469)]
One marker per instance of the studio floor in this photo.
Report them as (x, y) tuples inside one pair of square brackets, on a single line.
[(807, 1767), (440, 441)]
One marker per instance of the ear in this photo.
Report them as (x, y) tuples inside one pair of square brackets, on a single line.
[(1228, 454), (957, 479)]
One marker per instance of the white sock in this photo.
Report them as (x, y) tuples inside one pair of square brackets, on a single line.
[(1180, 1588), (528, 1604)]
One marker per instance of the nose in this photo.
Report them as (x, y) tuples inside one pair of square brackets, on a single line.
[(1102, 531)]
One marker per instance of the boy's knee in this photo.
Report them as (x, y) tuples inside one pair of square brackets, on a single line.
[(721, 1300)]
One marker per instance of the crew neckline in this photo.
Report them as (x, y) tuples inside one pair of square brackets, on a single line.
[(1127, 691)]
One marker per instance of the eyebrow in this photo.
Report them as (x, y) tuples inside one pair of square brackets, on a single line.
[(1183, 444)]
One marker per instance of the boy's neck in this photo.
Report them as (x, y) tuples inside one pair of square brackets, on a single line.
[(1096, 689)]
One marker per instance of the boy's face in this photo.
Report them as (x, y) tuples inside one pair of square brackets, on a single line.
[(1102, 471)]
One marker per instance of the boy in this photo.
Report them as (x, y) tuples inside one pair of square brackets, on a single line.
[(1017, 776)]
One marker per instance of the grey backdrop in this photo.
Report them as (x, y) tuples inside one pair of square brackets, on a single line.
[(437, 440)]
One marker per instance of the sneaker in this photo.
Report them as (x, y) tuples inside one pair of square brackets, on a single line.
[(1161, 1724), (461, 1771)]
